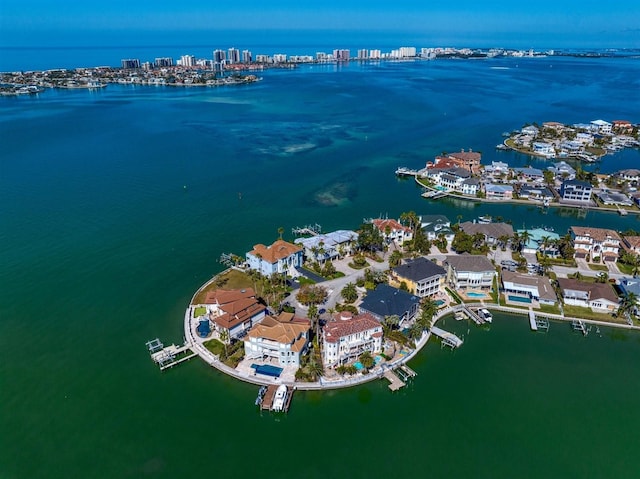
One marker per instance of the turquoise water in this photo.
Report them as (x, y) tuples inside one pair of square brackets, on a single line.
[(519, 299), (471, 294), (103, 247), (358, 365)]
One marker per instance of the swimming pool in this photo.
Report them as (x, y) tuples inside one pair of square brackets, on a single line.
[(358, 365), (519, 299), (473, 294), (439, 302)]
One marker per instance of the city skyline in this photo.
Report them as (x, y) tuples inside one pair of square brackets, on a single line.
[(545, 24)]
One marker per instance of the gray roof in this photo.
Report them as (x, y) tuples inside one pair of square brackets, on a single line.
[(429, 219), (470, 262), (491, 230), (419, 269), (387, 301), (545, 290)]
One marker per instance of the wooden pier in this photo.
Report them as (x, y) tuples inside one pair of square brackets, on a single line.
[(168, 356), (267, 399), (579, 325), (395, 382), (537, 323), (448, 339)]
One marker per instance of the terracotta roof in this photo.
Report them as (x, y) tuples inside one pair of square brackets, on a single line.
[(595, 290), (238, 312), (224, 296), (467, 155), (283, 333), (393, 224), (632, 241), (345, 324), (280, 249), (598, 234)]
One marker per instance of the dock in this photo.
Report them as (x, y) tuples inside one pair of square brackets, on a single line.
[(537, 323), (448, 339), (579, 325), (395, 382), (433, 194), (269, 394), (168, 356), (479, 320)]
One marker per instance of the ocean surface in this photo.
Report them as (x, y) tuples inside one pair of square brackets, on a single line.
[(116, 205)]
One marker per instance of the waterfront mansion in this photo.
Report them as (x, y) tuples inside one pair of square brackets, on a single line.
[(346, 337), (280, 257)]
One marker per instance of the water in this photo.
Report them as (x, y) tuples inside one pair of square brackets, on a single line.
[(103, 246)]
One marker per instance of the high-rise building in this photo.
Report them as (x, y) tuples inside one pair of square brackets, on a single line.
[(375, 54), (130, 63), (407, 52), (219, 59), (234, 56), (279, 58), (341, 55), (187, 61), (246, 56), (321, 56), (163, 62), (363, 54), (263, 59)]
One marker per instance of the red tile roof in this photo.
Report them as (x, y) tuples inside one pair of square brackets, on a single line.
[(280, 249), (393, 224), (224, 296), (345, 324)]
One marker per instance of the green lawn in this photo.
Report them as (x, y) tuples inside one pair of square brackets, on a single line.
[(624, 268), (546, 308), (598, 267), (199, 311), (586, 313), (232, 279), (215, 346)]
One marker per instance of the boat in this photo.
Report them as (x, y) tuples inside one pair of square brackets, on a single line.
[(485, 315), (484, 220), (261, 392), (501, 146), (280, 398)]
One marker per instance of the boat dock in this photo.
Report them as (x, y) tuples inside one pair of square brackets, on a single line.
[(448, 339), (269, 395), (395, 382), (433, 194), (475, 316), (579, 325), (168, 356), (538, 323)]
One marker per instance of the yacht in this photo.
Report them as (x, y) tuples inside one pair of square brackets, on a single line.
[(280, 398), (485, 315)]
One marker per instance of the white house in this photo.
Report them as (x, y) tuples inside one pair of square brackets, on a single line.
[(469, 271), (543, 148), (393, 230), (346, 337), (535, 288), (602, 127), (595, 242), (283, 339), (328, 246), (280, 257), (599, 297), (233, 311)]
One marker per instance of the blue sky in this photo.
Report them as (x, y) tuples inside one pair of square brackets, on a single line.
[(464, 22)]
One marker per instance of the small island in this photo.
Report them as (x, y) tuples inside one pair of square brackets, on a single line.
[(333, 310)]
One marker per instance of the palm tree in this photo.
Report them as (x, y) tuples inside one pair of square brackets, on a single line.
[(349, 293), (628, 303), (280, 232), (395, 259), (525, 236)]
